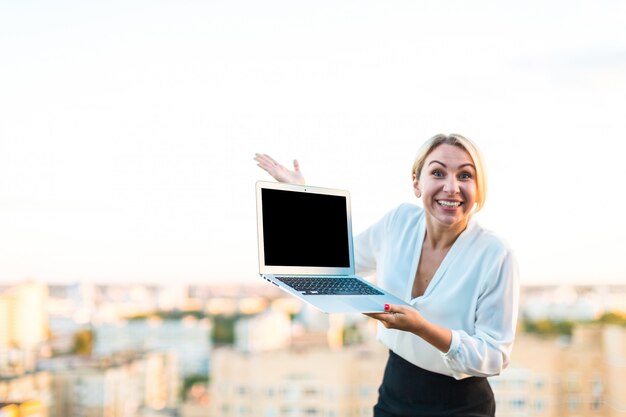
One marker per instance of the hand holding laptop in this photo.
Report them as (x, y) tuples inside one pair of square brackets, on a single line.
[(397, 317)]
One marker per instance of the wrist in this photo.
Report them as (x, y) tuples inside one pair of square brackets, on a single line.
[(420, 326)]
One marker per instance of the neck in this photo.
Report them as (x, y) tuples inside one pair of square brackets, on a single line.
[(442, 237)]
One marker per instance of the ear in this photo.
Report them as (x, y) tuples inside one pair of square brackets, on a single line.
[(416, 187)]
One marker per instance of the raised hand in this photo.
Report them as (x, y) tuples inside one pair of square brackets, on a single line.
[(279, 172)]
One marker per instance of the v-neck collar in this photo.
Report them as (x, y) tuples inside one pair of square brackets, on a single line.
[(456, 247)]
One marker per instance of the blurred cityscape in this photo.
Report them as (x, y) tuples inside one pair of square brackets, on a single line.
[(87, 350)]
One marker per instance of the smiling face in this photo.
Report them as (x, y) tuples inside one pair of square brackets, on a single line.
[(447, 186)]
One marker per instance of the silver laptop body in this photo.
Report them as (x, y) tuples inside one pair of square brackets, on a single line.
[(305, 248)]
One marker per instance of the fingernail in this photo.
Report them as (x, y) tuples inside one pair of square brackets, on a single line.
[(386, 307)]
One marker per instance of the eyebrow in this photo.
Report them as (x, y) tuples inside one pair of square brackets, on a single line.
[(445, 166)]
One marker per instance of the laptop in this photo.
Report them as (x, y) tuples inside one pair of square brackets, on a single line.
[(305, 248)]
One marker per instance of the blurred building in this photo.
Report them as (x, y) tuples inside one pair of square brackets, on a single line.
[(23, 333), (571, 302), (8, 410), (614, 343), (23, 316), (194, 410), (584, 376), (26, 393), (189, 338), (117, 386), (172, 297), (31, 408), (84, 302), (83, 299), (266, 331), (317, 381)]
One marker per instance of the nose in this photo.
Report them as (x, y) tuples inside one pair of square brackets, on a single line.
[(451, 185)]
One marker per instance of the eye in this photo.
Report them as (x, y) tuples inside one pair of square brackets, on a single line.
[(466, 176), (437, 173)]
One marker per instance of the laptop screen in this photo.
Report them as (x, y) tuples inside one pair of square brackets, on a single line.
[(305, 229)]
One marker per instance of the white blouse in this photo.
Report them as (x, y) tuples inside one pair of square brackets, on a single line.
[(474, 293)]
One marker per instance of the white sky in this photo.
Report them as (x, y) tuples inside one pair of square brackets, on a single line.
[(127, 128)]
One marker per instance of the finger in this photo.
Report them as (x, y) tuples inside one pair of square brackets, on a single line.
[(386, 319), (394, 308), (261, 159), (264, 158), (296, 165), (270, 159), (264, 167), (264, 164)]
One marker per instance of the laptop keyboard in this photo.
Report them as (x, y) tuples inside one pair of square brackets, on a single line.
[(329, 286)]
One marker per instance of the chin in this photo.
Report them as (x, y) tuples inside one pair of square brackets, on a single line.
[(452, 221)]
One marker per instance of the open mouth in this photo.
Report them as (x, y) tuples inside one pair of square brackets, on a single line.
[(446, 203)]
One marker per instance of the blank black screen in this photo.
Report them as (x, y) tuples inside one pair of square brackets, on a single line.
[(305, 229)]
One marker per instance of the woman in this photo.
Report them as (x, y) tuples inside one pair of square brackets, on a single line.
[(460, 279)]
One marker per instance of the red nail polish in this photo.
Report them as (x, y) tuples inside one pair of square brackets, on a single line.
[(386, 307)]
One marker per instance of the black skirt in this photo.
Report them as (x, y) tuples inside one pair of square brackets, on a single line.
[(410, 391)]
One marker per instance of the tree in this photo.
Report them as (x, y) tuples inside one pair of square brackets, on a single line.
[(83, 342)]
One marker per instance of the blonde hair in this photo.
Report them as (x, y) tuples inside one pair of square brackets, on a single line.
[(469, 147)]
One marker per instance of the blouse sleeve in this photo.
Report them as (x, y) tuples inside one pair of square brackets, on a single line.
[(369, 244), (487, 351)]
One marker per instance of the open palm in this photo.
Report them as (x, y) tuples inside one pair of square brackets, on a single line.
[(278, 171)]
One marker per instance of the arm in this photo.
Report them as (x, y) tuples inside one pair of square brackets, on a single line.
[(487, 351), (279, 172), (484, 352), (366, 249), (368, 245), (410, 320)]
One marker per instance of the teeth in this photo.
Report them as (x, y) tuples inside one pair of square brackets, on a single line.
[(449, 203)]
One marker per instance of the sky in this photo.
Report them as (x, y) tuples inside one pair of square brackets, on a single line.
[(128, 129)]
